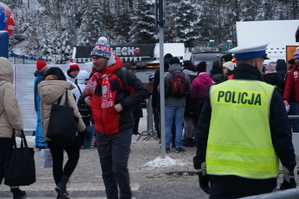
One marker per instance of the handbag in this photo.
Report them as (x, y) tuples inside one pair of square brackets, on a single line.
[(19, 168), (62, 123), (46, 160)]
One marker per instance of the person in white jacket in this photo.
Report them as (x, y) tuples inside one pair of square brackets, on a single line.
[(10, 118), (80, 84), (72, 72)]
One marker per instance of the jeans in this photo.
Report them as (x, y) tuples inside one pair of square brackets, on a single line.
[(114, 153), (294, 110), (174, 114), (39, 140)]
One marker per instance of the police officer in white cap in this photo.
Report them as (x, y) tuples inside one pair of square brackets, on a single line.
[(242, 133)]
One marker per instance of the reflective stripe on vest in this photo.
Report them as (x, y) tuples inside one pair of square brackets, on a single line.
[(239, 140)]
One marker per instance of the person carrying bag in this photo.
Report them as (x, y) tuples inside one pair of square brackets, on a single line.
[(10, 118), (62, 124), (51, 89)]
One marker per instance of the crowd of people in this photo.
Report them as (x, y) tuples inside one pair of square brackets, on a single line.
[(234, 114)]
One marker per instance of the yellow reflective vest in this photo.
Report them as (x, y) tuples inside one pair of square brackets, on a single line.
[(239, 141)]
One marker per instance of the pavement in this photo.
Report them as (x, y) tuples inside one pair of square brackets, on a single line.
[(152, 177)]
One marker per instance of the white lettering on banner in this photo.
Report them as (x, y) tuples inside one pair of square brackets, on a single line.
[(124, 51), (134, 59), (117, 51)]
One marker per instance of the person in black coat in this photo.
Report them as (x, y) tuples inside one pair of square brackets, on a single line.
[(281, 68), (271, 76), (156, 95)]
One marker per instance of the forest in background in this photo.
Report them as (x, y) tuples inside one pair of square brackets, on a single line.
[(45, 28)]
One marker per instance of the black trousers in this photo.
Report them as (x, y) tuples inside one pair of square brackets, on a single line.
[(73, 153), (232, 187), (114, 153), (5, 145)]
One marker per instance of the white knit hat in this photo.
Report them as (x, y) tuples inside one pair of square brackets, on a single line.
[(230, 65)]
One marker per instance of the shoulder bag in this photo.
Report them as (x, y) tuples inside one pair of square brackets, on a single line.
[(62, 123), (19, 168)]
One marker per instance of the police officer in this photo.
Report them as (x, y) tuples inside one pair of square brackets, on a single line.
[(243, 132)]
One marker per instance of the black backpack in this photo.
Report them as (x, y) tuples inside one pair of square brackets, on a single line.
[(84, 109)]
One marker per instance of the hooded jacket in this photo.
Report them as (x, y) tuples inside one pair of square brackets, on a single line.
[(107, 120), (174, 101), (201, 85), (80, 84), (10, 112), (50, 91)]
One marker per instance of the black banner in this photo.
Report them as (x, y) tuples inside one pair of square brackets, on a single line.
[(128, 53)]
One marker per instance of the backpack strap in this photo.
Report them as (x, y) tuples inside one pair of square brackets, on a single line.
[(122, 74), (76, 82)]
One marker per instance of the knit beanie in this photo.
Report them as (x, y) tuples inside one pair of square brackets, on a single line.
[(73, 66), (271, 67), (229, 65), (151, 78), (291, 61), (167, 58), (102, 48), (40, 65), (189, 66), (174, 60), (296, 54), (201, 67), (227, 57)]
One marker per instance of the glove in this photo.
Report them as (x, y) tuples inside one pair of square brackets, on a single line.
[(288, 181), (204, 178), (86, 134)]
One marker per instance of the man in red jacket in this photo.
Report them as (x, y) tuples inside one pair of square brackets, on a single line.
[(291, 91), (112, 103)]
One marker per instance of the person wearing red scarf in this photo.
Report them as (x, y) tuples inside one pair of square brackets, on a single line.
[(112, 105)]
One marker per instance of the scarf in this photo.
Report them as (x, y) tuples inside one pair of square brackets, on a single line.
[(91, 86), (107, 101)]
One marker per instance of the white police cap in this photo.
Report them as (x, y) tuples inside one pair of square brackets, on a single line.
[(250, 51)]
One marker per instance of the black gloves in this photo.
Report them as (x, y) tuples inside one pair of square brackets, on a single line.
[(204, 182), (288, 181), (204, 178), (86, 134)]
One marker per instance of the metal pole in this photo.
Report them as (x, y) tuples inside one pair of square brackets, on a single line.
[(162, 88), (74, 17)]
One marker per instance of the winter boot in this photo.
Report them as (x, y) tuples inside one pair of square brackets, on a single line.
[(61, 187), (18, 193)]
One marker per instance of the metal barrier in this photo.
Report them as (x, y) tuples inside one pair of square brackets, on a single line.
[(285, 194), (293, 117), (150, 132)]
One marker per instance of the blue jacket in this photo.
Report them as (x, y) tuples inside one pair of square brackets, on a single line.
[(39, 76)]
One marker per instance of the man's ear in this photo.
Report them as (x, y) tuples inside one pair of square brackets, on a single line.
[(257, 62)]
